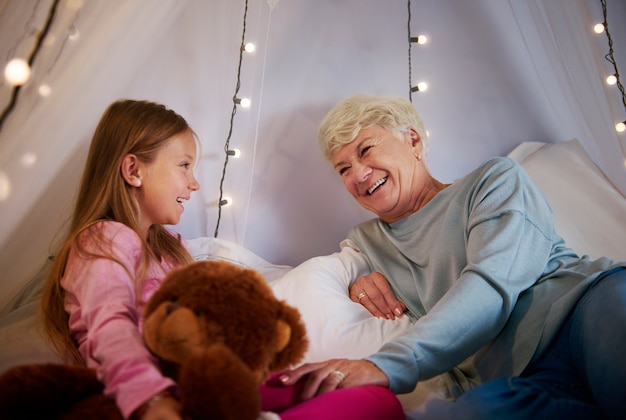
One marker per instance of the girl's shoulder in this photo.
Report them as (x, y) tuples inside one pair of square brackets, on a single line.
[(111, 232), (110, 228)]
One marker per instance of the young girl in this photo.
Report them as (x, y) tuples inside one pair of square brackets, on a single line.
[(138, 176)]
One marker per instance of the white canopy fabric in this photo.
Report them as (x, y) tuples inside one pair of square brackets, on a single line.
[(499, 73)]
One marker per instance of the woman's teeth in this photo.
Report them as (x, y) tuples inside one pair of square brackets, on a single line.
[(378, 184)]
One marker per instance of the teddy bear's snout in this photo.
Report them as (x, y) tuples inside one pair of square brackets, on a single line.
[(171, 307)]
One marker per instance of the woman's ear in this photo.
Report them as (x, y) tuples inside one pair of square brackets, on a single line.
[(130, 170), (414, 137), (415, 141)]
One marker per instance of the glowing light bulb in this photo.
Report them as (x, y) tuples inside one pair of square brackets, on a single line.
[(620, 127), (17, 72), (611, 80), (29, 159), (598, 28), (75, 4), (244, 102), (421, 87), (5, 186), (74, 34), (234, 153), (226, 201), (420, 39), (45, 90), (249, 47)]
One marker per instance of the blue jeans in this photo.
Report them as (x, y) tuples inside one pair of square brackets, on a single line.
[(581, 376)]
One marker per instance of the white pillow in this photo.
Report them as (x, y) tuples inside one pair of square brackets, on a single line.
[(209, 248), (336, 326), (588, 210)]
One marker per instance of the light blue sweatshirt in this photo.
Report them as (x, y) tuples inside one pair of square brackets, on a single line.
[(483, 271)]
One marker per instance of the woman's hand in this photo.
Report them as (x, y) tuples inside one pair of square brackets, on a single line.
[(334, 374), (161, 407), (373, 292)]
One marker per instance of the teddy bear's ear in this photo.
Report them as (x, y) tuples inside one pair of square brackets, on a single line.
[(292, 336)]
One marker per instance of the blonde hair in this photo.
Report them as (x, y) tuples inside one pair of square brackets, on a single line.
[(127, 126), (344, 122)]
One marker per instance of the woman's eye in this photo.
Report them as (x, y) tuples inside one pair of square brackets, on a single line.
[(365, 150), (342, 171)]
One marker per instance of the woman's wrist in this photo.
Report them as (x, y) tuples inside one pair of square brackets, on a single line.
[(140, 412)]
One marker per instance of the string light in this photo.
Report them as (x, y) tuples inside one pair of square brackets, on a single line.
[(234, 153), (42, 35), (249, 47), (621, 126), (421, 40), (244, 103)]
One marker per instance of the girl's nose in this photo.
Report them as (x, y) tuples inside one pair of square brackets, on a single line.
[(194, 185)]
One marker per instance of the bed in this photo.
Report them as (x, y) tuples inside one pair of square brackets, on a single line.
[(589, 214)]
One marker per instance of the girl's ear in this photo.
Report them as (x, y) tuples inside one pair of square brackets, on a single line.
[(130, 170)]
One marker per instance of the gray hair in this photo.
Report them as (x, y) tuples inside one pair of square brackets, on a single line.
[(344, 122)]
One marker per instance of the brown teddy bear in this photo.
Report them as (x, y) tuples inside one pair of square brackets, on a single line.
[(218, 330)]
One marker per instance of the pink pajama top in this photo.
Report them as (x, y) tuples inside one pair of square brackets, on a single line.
[(105, 319)]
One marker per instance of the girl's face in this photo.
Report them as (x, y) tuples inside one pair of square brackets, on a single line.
[(382, 172), (168, 181)]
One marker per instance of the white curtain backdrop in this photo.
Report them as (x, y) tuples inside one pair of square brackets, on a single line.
[(570, 63), (499, 72)]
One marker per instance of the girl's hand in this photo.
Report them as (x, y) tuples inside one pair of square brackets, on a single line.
[(374, 293), (334, 374)]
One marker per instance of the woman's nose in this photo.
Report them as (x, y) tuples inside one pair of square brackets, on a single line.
[(360, 172)]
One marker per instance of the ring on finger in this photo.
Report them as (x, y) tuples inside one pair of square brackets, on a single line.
[(339, 374), (362, 295)]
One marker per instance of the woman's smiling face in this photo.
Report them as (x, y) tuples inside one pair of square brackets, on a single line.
[(383, 172)]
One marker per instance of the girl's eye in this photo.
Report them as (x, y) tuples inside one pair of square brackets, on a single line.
[(185, 165), (343, 170)]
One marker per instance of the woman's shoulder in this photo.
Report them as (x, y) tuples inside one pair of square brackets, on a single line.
[(499, 164), (497, 168)]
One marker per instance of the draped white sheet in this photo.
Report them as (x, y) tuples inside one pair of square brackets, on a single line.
[(500, 73), (570, 69)]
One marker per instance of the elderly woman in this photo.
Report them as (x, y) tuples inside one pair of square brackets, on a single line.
[(521, 325)]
